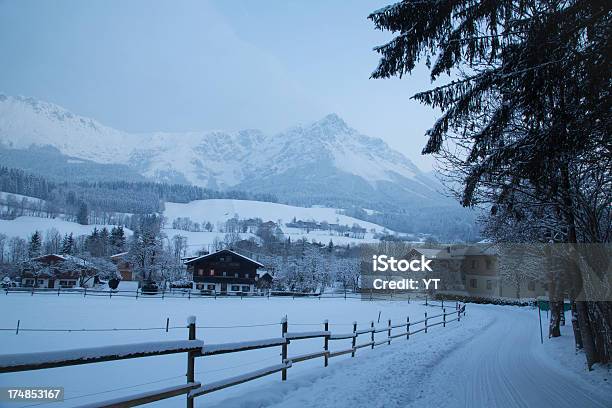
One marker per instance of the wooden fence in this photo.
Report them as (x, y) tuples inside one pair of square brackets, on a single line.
[(198, 349), (198, 294)]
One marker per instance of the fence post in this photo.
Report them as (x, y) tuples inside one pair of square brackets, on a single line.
[(458, 314), (442, 303), (443, 317), (372, 327), (425, 300), (425, 322), (407, 327), (85, 292), (284, 347), (191, 322), (354, 343), (167, 323), (17, 331), (389, 331), (58, 290), (326, 343)]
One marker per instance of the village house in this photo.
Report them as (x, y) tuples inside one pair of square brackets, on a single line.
[(124, 267), (224, 272), (264, 280), (58, 271), (474, 270)]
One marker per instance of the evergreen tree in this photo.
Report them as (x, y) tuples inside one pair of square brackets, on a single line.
[(529, 115), (35, 245), (67, 244), (117, 240), (104, 243), (83, 214)]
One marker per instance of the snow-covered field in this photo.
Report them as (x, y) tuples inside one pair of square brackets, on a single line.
[(217, 212), (492, 358), (24, 227), (220, 210), (44, 311)]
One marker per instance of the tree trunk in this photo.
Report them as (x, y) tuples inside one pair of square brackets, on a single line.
[(555, 319), (586, 333), (600, 314), (576, 328)]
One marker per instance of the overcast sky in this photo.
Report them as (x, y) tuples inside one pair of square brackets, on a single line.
[(201, 65)]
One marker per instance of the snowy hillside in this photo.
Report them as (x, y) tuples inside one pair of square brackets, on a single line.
[(217, 212), (324, 161), (24, 227), (223, 209)]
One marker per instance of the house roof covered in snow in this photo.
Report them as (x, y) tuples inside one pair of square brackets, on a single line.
[(62, 258), (228, 251)]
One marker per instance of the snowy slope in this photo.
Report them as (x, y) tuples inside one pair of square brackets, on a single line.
[(28, 121), (216, 212), (24, 227), (220, 210), (325, 160)]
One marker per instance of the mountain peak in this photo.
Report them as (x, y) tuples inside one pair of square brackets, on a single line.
[(333, 121)]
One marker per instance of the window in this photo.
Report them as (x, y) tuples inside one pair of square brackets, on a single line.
[(212, 272), (199, 286), (489, 284), (29, 282), (211, 287), (236, 275), (473, 283), (235, 288), (488, 264), (40, 281), (246, 288), (224, 273), (67, 283), (531, 286), (201, 272), (474, 264)]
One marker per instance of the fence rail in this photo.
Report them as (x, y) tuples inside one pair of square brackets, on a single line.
[(177, 293), (198, 349)]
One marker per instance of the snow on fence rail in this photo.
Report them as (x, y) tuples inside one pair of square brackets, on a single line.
[(177, 293), (197, 349)]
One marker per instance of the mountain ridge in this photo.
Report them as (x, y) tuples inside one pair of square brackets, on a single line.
[(327, 158)]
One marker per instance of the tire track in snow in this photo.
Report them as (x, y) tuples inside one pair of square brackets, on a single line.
[(501, 369)]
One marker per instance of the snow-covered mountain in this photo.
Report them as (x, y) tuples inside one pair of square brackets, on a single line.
[(322, 162)]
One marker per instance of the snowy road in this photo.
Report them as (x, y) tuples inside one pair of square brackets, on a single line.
[(504, 367), (494, 359)]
